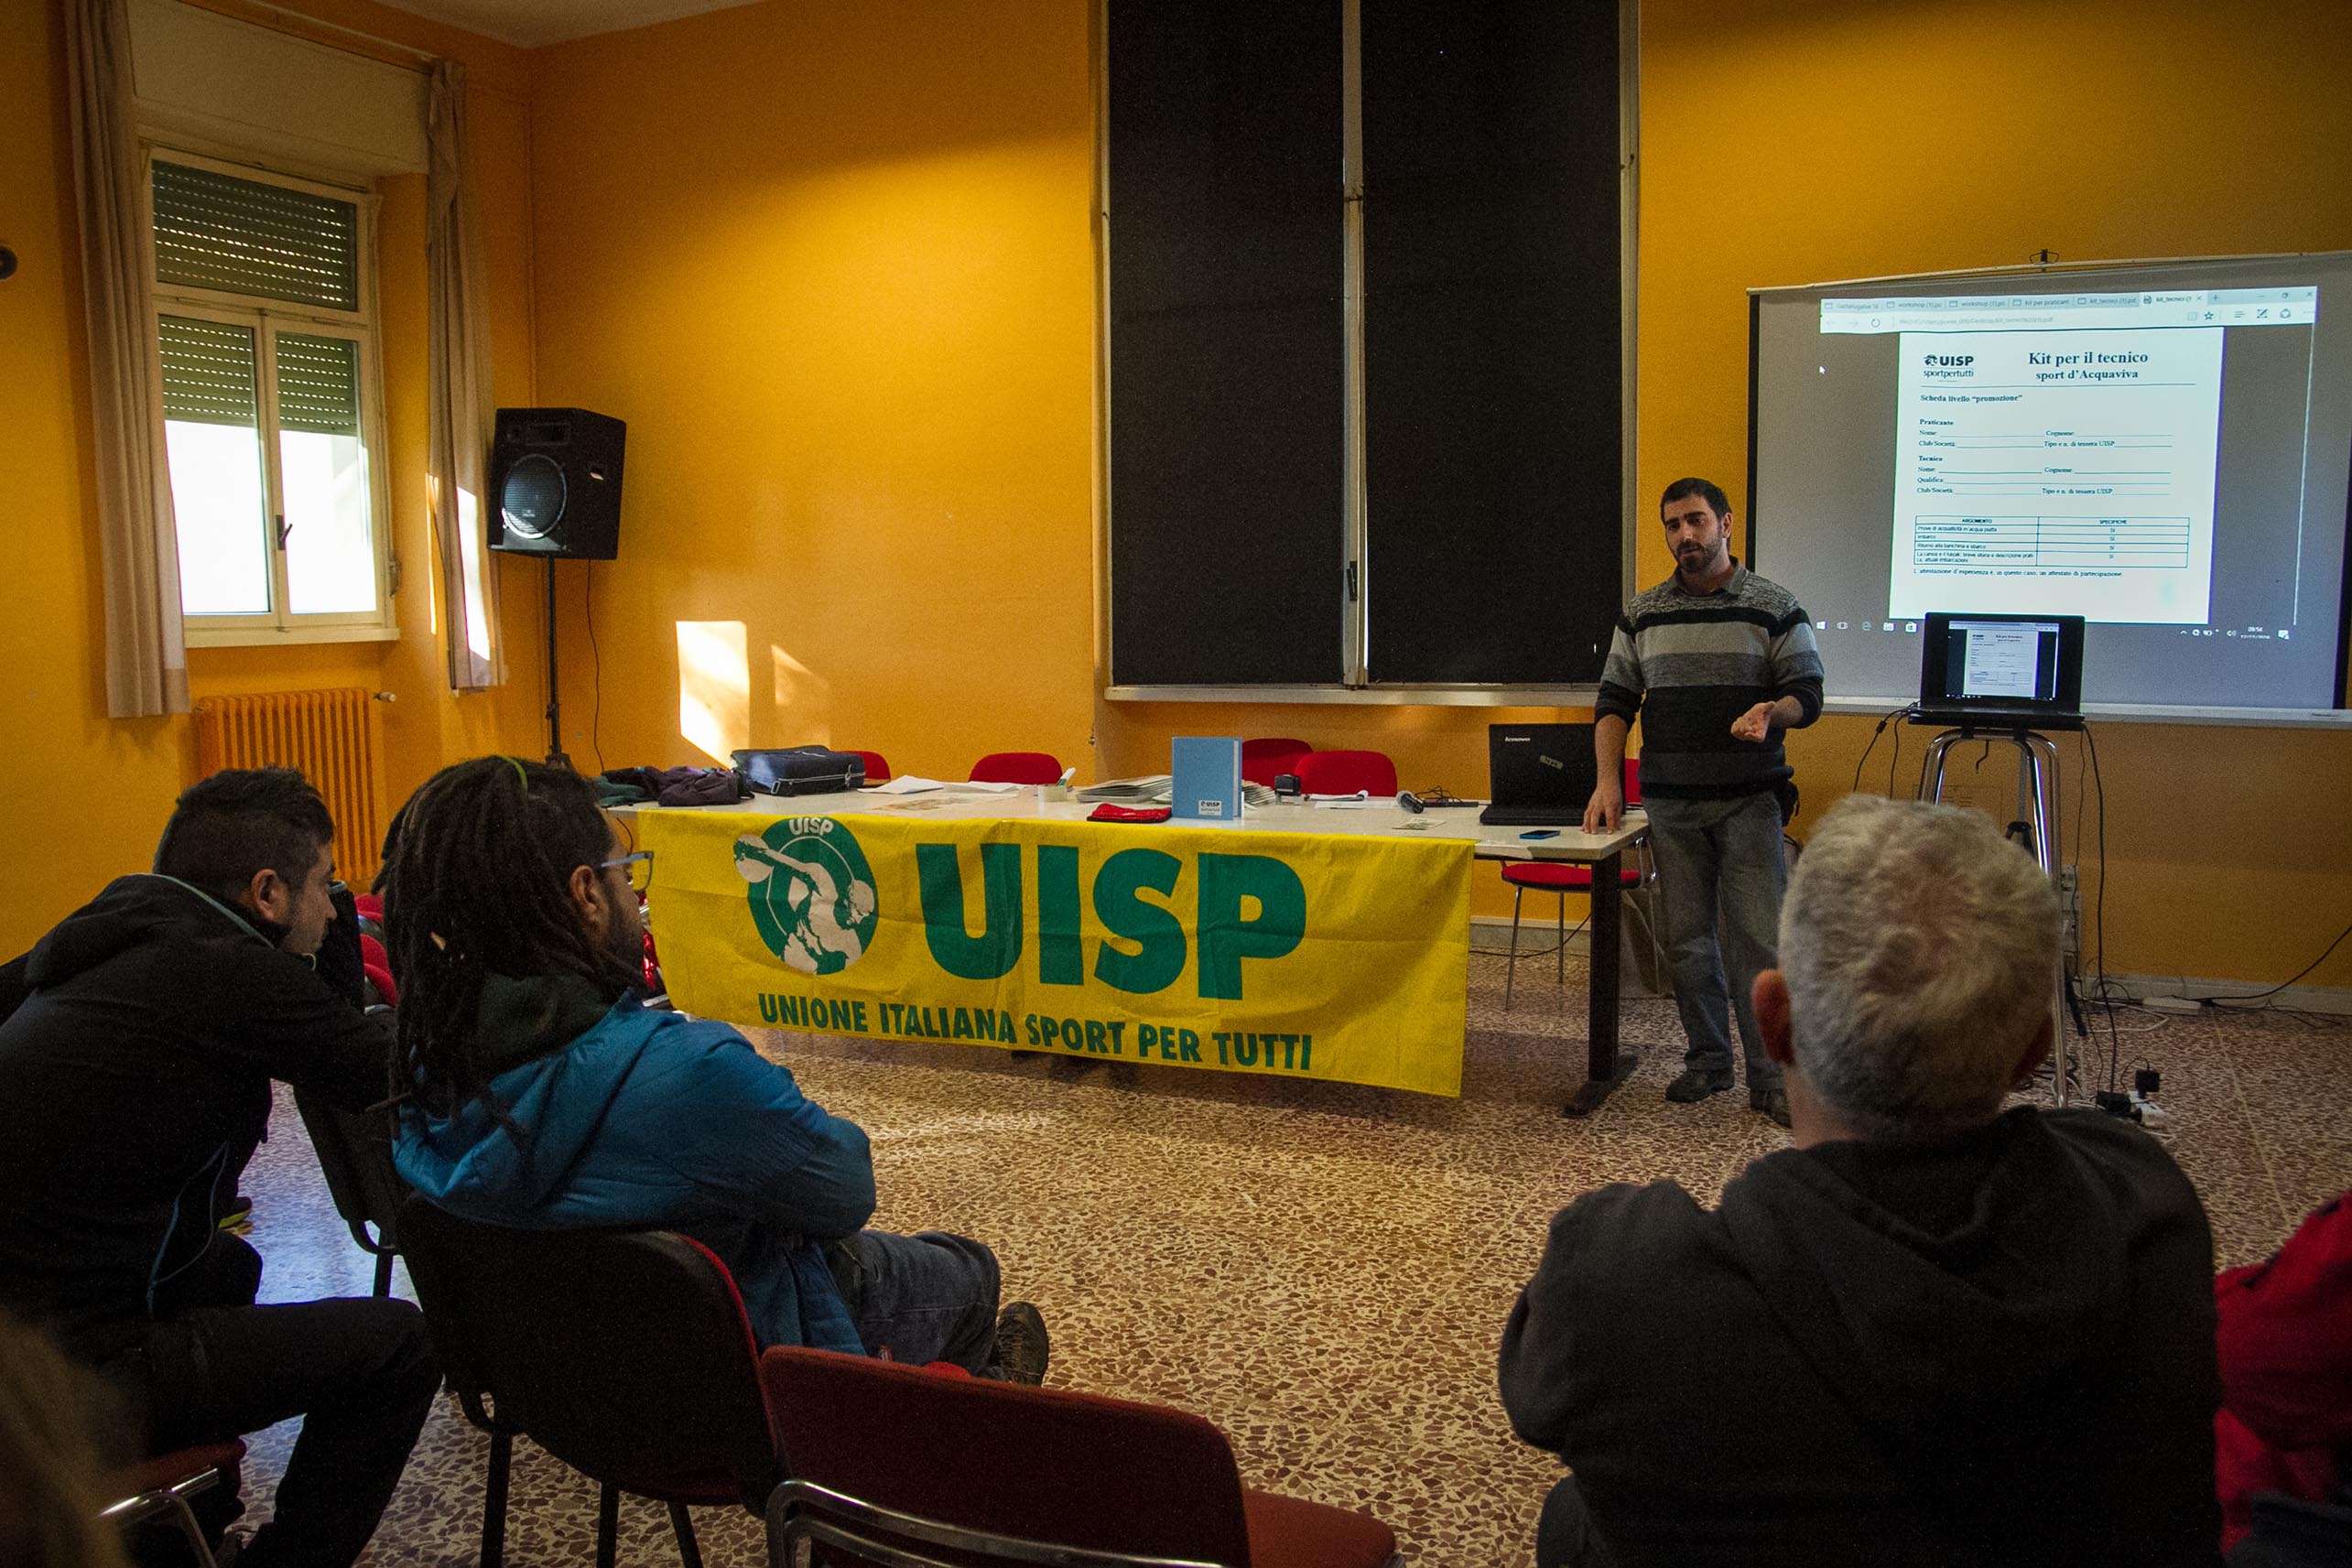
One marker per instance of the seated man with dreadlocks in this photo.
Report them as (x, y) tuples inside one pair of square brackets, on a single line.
[(542, 1094)]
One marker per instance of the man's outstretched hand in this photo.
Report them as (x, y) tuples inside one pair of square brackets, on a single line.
[(1756, 724)]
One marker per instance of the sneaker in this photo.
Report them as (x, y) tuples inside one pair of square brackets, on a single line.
[(1695, 1085), (1773, 1102), (1021, 1347)]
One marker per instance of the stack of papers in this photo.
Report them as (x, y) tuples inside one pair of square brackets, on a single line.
[(1158, 789), (1151, 787)]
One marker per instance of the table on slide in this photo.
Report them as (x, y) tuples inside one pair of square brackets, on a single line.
[(1606, 1066)]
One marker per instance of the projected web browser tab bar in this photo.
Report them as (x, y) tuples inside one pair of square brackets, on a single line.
[(2238, 308)]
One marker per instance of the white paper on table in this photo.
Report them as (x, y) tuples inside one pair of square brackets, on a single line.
[(978, 786), (906, 784), (1339, 802)]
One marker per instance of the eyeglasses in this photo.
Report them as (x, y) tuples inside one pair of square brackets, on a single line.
[(641, 868)]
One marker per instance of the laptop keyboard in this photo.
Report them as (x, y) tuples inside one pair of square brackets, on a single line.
[(1533, 817)]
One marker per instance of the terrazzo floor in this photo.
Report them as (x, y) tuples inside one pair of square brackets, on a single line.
[(1322, 1270)]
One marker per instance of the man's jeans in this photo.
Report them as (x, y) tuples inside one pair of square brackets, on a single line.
[(930, 1297), (1721, 866), (357, 1371)]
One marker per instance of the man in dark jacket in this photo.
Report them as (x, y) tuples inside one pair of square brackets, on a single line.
[(137, 1042), (542, 1094), (1931, 1332)]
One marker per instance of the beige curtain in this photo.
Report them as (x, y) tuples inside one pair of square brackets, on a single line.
[(458, 406), (146, 655)]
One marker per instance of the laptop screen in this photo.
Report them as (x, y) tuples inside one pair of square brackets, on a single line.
[(2025, 664)]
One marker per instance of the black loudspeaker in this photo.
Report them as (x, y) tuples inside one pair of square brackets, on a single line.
[(556, 476)]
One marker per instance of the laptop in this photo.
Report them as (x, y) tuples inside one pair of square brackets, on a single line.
[(1539, 775), (2001, 672)]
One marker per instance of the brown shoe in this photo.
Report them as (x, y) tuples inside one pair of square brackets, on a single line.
[(1021, 1344), (1693, 1086), (1773, 1102)]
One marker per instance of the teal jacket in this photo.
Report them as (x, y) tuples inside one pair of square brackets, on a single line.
[(653, 1118)]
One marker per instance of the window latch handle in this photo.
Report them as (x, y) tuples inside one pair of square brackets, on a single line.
[(1352, 594), (283, 528)]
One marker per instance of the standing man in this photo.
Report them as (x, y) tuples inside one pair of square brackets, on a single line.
[(1718, 662), (137, 1042)]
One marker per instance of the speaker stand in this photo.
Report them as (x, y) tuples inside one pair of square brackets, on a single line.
[(556, 758)]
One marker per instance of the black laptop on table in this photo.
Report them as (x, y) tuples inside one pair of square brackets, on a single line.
[(2001, 672), (1539, 775)]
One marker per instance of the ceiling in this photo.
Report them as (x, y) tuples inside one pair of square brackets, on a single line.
[(530, 23)]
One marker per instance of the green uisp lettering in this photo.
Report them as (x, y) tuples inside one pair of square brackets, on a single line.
[(941, 1023), (1295, 1052), (1103, 1038), (813, 1012), (1150, 950)]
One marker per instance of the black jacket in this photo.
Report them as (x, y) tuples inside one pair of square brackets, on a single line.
[(137, 1040), (1999, 1351)]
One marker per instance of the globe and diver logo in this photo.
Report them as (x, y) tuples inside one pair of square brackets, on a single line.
[(811, 892)]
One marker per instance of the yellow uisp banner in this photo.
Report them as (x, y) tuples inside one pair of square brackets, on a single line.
[(1299, 955)]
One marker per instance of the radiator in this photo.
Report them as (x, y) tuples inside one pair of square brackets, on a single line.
[(331, 736)]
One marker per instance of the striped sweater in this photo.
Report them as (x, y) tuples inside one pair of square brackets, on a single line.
[(1689, 664)]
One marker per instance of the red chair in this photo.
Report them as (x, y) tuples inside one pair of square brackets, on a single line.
[(377, 965), (161, 1488), (1267, 758), (1017, 767), (1344, 773), (626, 1354), (888, 1459), (1547, 877), (877, 766)]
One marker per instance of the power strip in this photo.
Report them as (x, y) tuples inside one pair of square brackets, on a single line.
[(2172, 1004)]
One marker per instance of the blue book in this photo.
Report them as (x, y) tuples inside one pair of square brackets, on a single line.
[(1207, 776)]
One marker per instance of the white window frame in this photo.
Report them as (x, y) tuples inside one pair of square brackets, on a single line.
[(266, 317)]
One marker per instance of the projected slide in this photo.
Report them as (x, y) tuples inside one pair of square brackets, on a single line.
[(2163, 448), (2051, 472)]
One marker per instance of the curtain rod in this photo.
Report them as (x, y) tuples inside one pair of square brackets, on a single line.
[(423, 57)]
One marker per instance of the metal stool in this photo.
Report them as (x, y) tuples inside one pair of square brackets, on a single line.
[(2036, 826)]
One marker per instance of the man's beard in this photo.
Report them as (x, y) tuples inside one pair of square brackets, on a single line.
[(624, 944)]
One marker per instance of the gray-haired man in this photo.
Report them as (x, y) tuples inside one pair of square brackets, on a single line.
[(1932, 1332)]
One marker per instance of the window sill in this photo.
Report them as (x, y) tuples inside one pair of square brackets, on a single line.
[(274, 637)]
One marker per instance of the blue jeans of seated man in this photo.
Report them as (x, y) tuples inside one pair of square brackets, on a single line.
[(1721, 870), (929, 1297)]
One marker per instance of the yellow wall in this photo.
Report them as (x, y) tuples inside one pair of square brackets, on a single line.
[(832, 263), (91, 793)]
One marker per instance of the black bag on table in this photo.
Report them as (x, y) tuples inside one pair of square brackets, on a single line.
[(801, 770)]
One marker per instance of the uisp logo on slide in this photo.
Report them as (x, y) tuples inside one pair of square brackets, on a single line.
[(811, 892)]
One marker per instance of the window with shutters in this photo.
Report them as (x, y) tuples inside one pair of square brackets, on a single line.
[(272, 402)]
